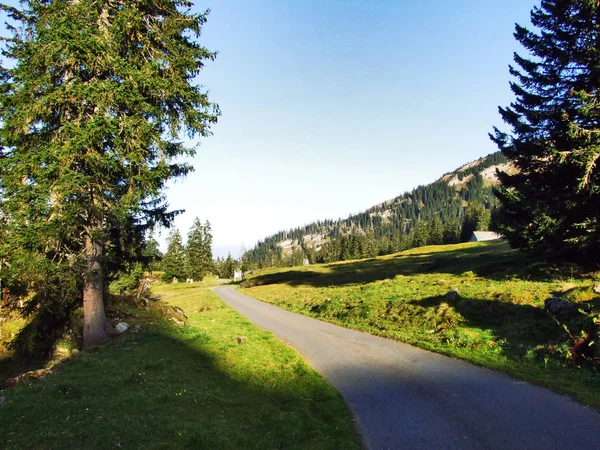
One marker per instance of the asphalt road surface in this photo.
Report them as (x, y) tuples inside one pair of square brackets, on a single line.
[(408, 398)]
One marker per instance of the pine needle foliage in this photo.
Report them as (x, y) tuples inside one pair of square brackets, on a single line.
[(174, 261), (552, 204), (95, 98), (199, 261)]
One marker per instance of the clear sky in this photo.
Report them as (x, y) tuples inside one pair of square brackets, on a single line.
[(330, 107)]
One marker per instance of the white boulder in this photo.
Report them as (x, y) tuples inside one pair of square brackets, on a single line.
[(122, 327)]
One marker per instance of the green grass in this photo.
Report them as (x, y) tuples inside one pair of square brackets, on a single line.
[(216, 382), (497, 320)]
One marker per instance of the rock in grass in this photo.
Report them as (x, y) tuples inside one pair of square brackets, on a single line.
[(2, 400), (177, 322), (240, 339), (122, 327), (178, 310), (451, 295), (597, 288), (31, 375), (556, 305)]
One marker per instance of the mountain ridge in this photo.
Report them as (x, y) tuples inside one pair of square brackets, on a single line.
[(392, 225)]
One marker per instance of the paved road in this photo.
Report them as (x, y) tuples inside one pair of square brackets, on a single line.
[(408, 398)]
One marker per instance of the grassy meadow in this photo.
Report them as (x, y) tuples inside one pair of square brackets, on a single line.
[(497, 320), (215, 382)]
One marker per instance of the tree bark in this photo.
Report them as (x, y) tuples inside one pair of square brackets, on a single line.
[(94, 316)]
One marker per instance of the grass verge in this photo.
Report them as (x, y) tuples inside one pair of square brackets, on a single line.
[(497, 320), (216, 382)]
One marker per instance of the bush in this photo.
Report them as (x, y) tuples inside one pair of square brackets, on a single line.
[(128, 281)]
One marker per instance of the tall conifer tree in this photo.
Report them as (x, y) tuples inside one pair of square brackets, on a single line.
[(90, 121), (553, 202), (174, 261), (207, 256), (194, 250)]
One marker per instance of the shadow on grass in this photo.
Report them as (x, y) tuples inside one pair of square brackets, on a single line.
[(495, 261), (153, 389), (518, 327)]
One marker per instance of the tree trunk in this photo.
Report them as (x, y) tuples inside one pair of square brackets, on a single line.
[(94, 317)]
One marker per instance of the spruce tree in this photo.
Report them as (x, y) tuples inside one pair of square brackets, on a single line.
[(95, 97), (207, 256), (193, 250), (553, 203), (371, 248), (420, 234), (152, 254), (198, 250), (452, 231), (476, 218), (435, 229), (174, 261), (228, 267)]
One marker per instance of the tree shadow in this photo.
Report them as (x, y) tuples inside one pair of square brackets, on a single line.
[(154, 387), (518, 327), (495, 261)]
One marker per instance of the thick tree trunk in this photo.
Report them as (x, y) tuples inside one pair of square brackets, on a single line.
[(94, 317)]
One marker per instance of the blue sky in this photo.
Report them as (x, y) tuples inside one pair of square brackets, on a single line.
[(331, 107)]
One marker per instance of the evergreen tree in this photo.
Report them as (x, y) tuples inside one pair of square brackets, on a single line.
[(152, 254), (90, 117), (452, 231), (420, 235), (174, 261), (228, 267), (435, 231), (371, 248), (207, 256), (199, 260), (194, 252), (218, 265), (553, 202), (475, 219)]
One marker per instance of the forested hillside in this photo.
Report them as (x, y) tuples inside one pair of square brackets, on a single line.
[(443, 212)]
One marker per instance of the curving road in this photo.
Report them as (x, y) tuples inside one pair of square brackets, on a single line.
[(408, 398)]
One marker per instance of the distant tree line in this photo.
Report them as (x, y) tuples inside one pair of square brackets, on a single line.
[(428, 215), (194, 259)]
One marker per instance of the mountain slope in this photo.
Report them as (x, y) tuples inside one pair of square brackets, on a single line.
[(428, 214)]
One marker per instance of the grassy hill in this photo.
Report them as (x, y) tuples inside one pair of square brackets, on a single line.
[(436, 210), (497, 319), (216, 382)]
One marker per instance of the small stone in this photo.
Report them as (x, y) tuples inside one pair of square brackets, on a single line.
[(240, 339), (556, 305), (2, 400), (597, 288), (177, 322), (122, 327), (178, 310)]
